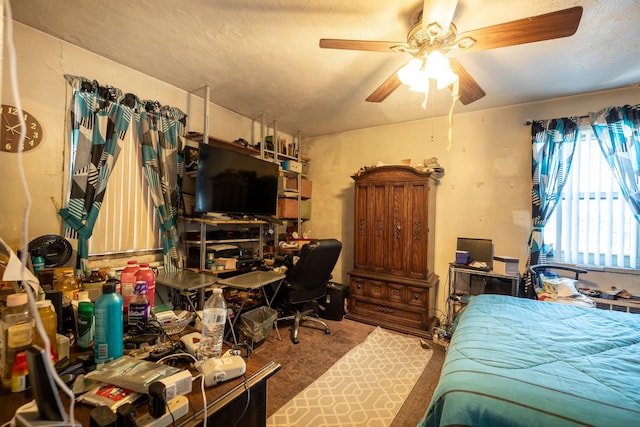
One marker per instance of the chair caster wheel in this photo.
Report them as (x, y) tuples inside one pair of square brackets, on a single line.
[(327, 331), (295, 340)]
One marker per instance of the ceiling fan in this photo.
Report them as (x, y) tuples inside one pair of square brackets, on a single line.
[(434, 32)]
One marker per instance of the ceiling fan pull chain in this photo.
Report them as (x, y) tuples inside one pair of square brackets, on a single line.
[(455, 95)]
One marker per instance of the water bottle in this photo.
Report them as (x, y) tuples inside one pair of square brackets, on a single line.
[(214, 317), (139, 304), (16, 332), (107, 345)]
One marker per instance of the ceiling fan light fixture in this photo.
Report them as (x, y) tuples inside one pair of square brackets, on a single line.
[(413, 72)]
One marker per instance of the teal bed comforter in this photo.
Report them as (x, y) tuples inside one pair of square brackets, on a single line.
[(520, 362)]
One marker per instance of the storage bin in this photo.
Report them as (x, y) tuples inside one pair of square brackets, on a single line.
[(258, 323)]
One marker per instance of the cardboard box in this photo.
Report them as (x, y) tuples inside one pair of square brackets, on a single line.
[(507, 266), (291, 184), (288, 208)]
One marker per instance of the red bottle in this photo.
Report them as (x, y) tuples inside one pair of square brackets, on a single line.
[(127, 282), (146, 274)]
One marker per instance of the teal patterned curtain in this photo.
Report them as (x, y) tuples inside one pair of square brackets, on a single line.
[(553, 143), (160, 131), (99, 119), (618, 132)]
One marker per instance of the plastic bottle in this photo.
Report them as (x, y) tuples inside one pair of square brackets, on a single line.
[(214, 317), (38, 262), (127, 282), (107, 344), (139, 304), (68, 285), (49, 320), (16, 332), (85, 325), (146, 273), (19, 373), (93, 284)]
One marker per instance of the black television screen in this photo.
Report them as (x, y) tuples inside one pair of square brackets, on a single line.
[(234, 183)]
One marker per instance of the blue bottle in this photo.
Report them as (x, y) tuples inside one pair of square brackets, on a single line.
[(109, 324)]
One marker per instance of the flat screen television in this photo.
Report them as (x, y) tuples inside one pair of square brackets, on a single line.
[(235, 184)]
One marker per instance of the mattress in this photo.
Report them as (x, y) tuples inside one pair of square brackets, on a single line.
[(520, 362)]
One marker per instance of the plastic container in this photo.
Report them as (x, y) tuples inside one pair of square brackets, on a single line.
[(16, 333), (85, 325), (107, 344), (146, 274), (68, 285), (19, 373), (214, 317), (38, 263), (127, 282), (93, 284), (49, 320), (139, 304), (258, 323)]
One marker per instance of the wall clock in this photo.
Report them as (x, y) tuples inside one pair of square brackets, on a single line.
[(10, 130)]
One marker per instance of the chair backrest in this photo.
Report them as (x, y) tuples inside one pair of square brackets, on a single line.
[(313, 269)]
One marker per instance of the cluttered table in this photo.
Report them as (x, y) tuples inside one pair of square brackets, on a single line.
[(226, 401)]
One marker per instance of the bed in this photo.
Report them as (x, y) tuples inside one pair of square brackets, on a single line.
[(521, 362)]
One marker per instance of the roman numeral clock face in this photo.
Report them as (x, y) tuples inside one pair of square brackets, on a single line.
[(10, 130)]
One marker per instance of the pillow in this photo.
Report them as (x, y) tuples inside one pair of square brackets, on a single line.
[(561, 286)]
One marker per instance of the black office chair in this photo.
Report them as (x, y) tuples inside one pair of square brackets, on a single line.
[(306, 282)]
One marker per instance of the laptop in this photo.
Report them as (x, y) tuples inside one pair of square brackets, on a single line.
[(480, 250)]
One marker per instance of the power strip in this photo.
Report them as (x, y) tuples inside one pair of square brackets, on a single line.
[(178, 406)]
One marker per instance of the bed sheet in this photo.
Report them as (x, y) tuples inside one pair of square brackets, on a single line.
[(520, 362)]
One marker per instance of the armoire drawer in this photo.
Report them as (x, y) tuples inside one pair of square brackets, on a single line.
[(388, 312)]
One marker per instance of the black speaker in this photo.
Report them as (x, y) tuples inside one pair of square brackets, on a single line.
[(331, 306)]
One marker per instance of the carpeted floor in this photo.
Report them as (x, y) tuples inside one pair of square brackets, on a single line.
[(317, 352)]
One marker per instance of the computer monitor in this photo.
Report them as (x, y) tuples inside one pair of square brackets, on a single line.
[(480, 250)]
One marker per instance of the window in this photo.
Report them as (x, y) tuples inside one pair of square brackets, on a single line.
[(127, 220), (592, 224)]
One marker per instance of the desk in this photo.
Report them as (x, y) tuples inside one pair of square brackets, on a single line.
[(225, 401), (250, 282), (187, 281), (479, 282)]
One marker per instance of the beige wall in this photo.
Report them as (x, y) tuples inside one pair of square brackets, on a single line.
[(42, 63), (484, 194)]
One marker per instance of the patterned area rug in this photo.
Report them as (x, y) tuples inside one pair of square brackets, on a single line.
[(366, 387)]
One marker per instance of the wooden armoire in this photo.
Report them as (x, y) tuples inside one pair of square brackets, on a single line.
[(393, 284)]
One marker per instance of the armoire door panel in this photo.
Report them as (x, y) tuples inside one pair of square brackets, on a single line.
[(361, 238), (417, 239), (379, 222), (399, 227)]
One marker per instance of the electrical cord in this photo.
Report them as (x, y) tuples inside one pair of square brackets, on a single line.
[(246, 406), (13, 75)]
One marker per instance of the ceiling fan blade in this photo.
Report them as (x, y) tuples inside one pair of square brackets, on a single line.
[(470, 90), (374, 46), (554, 25), (386, 88), (440, 11)]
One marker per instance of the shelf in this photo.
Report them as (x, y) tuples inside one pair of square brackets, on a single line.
[(218, 142), (214, 242), (224, 221)]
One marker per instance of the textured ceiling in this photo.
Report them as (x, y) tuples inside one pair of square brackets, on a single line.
[(262, 56)]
